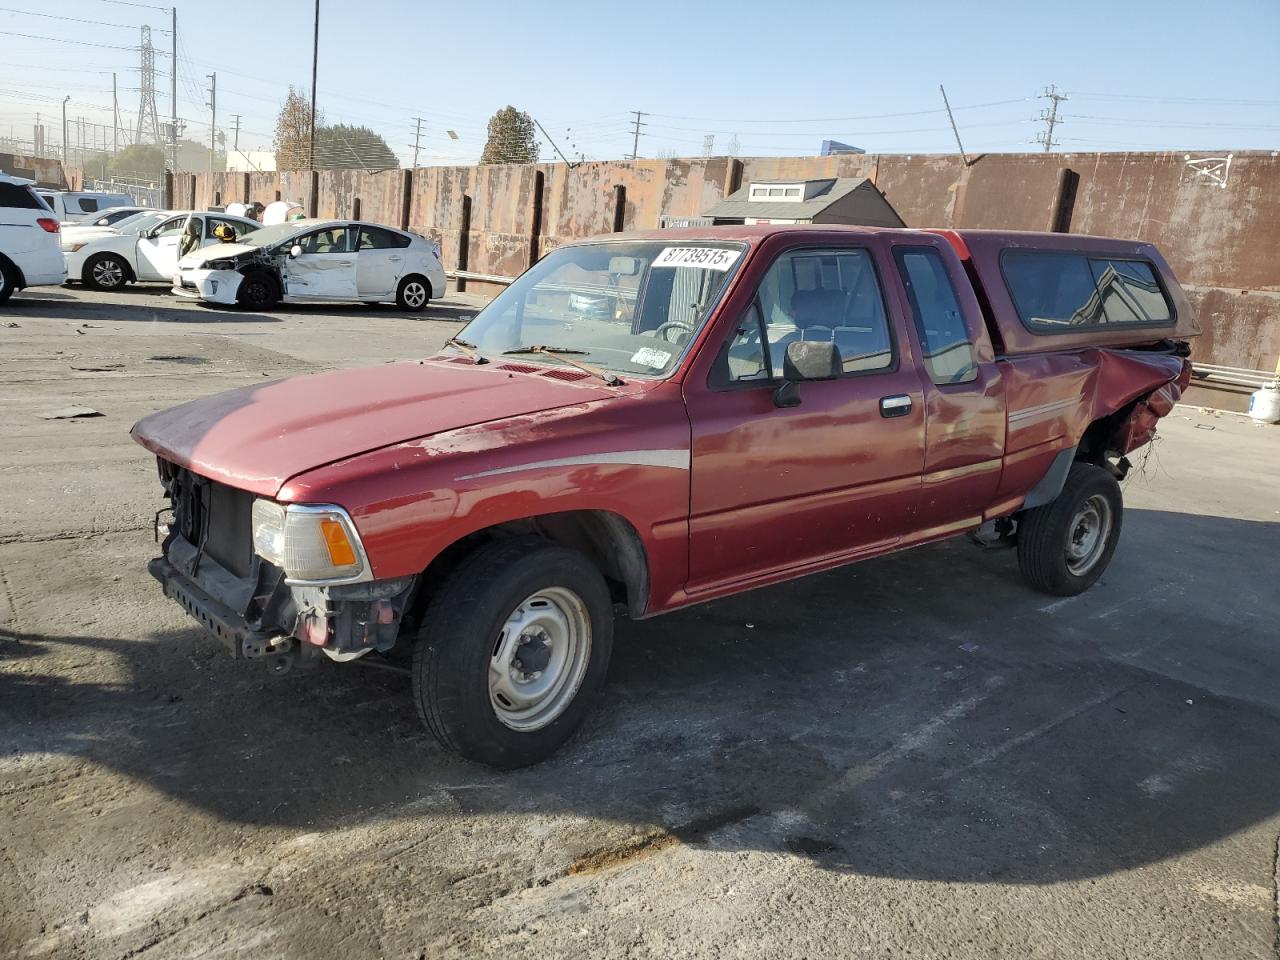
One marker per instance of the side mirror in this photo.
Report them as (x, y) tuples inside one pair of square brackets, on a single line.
[(295, 250), (806, 360)]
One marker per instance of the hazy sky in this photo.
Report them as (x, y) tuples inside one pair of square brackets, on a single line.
[(780, 77)]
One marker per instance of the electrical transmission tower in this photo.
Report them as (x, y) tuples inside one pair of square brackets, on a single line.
[(635, 143), (1050, 117), (147, 116)]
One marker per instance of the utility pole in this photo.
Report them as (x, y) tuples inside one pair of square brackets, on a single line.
[(64, 130), (315, 62), (417, 139), (173, 90), (635, 140), (115, 117), (213, 124), (947, 103), (1050, 116), (235, 145)]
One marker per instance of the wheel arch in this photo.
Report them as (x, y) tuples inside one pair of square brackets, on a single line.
[(608, 539), (129, 275)]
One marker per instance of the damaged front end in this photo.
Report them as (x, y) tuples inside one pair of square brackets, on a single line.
[(313, 591)]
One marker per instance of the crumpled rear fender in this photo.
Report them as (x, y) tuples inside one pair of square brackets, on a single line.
[(1143, 387)]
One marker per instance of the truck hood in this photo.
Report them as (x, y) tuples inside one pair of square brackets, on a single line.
[(255, 438)]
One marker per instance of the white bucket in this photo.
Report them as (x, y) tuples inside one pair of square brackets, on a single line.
[(1264, 404)]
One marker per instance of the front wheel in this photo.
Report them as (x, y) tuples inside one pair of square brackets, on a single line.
[(258, 291), (1065, 545), (513, 648), (106, 271), (413, 294)]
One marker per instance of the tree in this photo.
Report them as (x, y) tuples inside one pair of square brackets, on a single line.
[(344, 147), (293, 132), (141, 161), (512, 138)]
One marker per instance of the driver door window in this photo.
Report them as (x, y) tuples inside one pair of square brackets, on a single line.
[(827, 295), (329, 240)]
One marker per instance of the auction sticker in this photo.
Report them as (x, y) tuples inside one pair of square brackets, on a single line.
[(649, 357), (708, 258)]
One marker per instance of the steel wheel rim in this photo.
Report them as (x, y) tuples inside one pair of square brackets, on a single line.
[(108, 273), (551, 630), (1087, 534), (415, 295)]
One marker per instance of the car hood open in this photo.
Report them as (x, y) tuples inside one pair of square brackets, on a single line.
[(255, 438)]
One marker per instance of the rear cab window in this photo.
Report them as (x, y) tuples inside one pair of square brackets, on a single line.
[(1057, 291), (944, 336)]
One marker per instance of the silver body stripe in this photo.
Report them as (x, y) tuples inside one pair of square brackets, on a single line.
[(1028, 415), (672, 459)]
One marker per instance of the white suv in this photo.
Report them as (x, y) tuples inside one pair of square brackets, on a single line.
[(30, 255)]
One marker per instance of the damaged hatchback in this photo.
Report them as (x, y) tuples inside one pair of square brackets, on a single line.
[(304, 261), (649, 421)]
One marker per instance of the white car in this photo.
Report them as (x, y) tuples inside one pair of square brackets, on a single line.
[(76, 235), (109, 262), (29, 254), (309, 260)]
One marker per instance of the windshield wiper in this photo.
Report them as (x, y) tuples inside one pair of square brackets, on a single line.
[(468, 348), (559, 353)]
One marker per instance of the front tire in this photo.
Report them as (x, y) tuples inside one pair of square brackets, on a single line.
[(514, 646), (413, 293), (258, 291), (105, 271), (1064, 546)]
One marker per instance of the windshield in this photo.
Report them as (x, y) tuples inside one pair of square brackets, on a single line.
[(138, 222), (628, 306), (266, 236)]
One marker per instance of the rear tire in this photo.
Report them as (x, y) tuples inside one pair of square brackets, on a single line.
[(413, 294), (8, 280), (106, 271), (258, 291), (1064, 546), (509, 599)]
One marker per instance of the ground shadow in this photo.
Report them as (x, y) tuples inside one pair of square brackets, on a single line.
[(130, 304), (920, 716)]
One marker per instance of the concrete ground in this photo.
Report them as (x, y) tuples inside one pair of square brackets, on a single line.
[(913, 757)]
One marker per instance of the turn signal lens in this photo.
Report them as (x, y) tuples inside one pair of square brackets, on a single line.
[(310, 543), (341, 553)]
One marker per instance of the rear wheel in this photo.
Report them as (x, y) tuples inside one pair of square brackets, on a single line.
[(8, 281), (1065, 545), (105, 271), (513, 648), (258, 291), (413, 293)]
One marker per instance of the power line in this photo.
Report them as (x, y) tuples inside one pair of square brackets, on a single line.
[(80, 43), (55, 16), (867, 116)]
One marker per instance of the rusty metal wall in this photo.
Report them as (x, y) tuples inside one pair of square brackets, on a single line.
[(1220, 240)]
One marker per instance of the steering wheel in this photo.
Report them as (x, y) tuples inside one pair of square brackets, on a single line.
[(661, 331)]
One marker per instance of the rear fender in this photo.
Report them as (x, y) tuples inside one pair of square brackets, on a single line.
[(1135, 416)]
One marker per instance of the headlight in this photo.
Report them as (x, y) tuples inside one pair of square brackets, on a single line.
[(310, 543), (221, 265)]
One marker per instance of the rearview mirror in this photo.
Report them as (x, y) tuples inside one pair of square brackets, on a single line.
[(295, 250), (806, 360), (624, 266)]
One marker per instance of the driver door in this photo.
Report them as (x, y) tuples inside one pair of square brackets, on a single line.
[(326, 267), (158, 252)]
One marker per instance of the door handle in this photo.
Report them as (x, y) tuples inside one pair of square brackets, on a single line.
[(898, 405), (395, 259)]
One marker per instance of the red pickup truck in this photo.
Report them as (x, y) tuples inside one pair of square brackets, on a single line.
[(646, 421)]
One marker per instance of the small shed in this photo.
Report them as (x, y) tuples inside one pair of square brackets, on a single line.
[(852, 200)]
